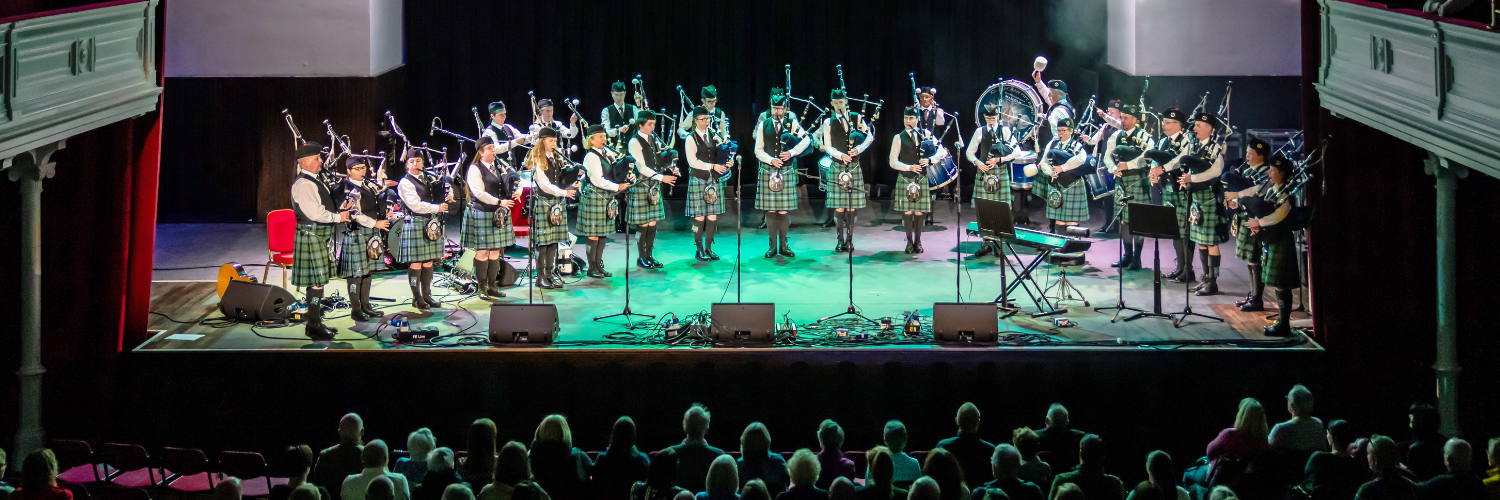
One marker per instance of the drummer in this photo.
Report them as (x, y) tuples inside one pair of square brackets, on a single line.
[(990, 150), (1110, 115), (1068, 203), (912, 198)]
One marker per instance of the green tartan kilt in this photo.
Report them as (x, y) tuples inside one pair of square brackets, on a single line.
[(641, 209), (1214, 229), (839, 197), (1041, 185), (479, 231), (413, 245), (696, 207), (1001, 173), (1173, 195), (1279, 265), (312, 254), (902, 204), (1075, 203), (1132, 184), (352, 258), (593, 212), (543, 232), (1246, 245), (784, 200)]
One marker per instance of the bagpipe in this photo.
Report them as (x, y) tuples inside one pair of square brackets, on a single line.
[(435, 178), (725, 150), (943, 171), (666, 152), (860, 130)]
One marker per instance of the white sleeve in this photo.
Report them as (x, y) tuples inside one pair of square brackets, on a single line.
[(1276, 216), (609, 131), (941, 119), (540, 177), (690, 148), (1109, 150), (640, 161), (567, 132), (413, 202), (1043, 163), (1076, 161), (363, 220), (896, 153), (305, 194), (475, 181), (806, 138), (1210, 174), (595, 171), (760, 145), (974, 146), (825, 132)]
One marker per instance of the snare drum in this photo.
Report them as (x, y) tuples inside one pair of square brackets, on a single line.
[(1101, 183), (1018, 177), (941, 174)]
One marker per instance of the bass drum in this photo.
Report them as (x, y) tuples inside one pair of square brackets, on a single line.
[(943, 173), (1020, 107)]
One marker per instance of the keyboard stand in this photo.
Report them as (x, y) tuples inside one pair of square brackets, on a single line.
[(1043, 305)]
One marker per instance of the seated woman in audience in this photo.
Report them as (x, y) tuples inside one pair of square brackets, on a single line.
[(621, 465), (1245, 441), (758, 462), (556, 463), (1162, 476), (297, 461), (512, 475), (39, 478), (926, 488), (804, 472), (438, 477), (907, 469), (880, 477), (723, 480), (660, 479), (755, 489), (1146, 490), (479, 467), (942, 466), (1222, 493), (457, 492), (5, 488), (308, 491), (831, 459), (1335, 474), (418, 445), (1033, 469), (841, 489)]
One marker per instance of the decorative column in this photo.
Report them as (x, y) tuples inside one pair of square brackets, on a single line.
[(29, 169), (1446, 365)]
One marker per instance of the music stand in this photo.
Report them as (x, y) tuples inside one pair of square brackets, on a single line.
[(1120, 306), (1156, 222), (995, 226)]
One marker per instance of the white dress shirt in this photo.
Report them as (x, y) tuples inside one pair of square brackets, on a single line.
[(1109, 149), (595, 170), (475, 179), (539, 176), (305, 195), (413, 201), (904, 167), (612, 130), (356, 485), (795, 128), (640, 159), (690, 147), (826, 133)]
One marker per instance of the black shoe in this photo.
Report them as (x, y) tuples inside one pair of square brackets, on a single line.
[(710, 253), (641, 261), (910, 248), (700, 255), (1122, 262), (1135, 263), (917, 247), (840, 248), (359, 316), (771, 253), (1253, 305), (655, 264), (1278, 329), (1210, 286), (983, 251), (1185, 277), (377, 314), (595, 272), (419, 304), (1174, 274), (829, 223), (786, 251), (317, 331)]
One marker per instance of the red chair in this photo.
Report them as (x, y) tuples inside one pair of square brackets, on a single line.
[(281, 232), (247, 466), (130, 463), (76, 461), (186, 470), (118, 493)]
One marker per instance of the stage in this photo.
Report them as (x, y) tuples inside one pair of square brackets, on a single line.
[(810, 286)]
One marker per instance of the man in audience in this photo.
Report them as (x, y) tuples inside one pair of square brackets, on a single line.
[(1335, 474), (925, 488), (227, 489), (1492, 482), (1005, 462), (1459, 483), (373, 458), (805, 470), (831, 458), (458, 492), (1089, 475), (694, 455), (381, 488), (1058, 439), (907, 468), (1069, 492), (1033, 469), (5, 489), (1423, 453), (439, 476), (972, 452), (1389, 483), (1303, 433), (341, 460)]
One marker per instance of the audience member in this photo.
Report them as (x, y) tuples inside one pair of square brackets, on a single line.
[(1492, 479), (341, 460), (1068, 491), (296, 462), (374, 457), (479, 467), (694, 455), (438, 476), (1423, 453), (684, 495), (1033, 469), (308, 492), (755, 489), (1222, 493), (880, 474), (925, 488), (381, 488), (805, 469), (973, 453), (1304, 432), (511, 473), (831, 458), (1146, 490), (1090, 475), (942, 466), (1459, 483), (1389, 483), (1005, 464), (555, 463), (723, 480), (1161, 474), (1335, 474), (457, 491), (39, 478), (5, 488), (621, 464), (907, 468), (1058, 439), (661, 478), (1248, 437), (227, 489), (757, 461), (841, 489), (419, 444)]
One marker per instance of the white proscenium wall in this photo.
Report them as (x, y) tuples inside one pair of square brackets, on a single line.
[(217, 38), (1205, 37)]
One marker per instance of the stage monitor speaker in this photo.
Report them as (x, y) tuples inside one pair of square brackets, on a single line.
[(523, 323), (731, 322), (952, 321), (247, 301), (508, 273)]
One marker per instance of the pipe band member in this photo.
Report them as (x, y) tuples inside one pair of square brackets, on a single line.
[(776, 184), (546, 163), (993, 164), (718, 120), (1064, 155), (705, 196), (618, 119), (1200, 179), (317, 216), (839, 141), (907, 159), (1110, 116), (594, 218), (355, 263), (1279, 253), (487, 181), (545, 111), (505, 137), (1246, 245), (1173, 122), (1129, 165), (644, 211), (422, 199)]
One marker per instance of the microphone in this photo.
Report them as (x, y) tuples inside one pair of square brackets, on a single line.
[(432, 127), (636, 80), (1128, 197)]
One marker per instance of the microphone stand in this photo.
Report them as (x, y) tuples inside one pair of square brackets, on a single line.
[(1119, 306), (958, 220), (629, 323), (849, 258)]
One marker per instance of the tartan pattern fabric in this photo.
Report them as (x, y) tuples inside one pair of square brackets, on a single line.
[(839, 197), (1214, 229), (1041, 185), (641, 209), (542, 230), (1132, 184), (1279, 265), (312, 262), (1246, 245), (593, 212), (414, 245), (1075, 203), (479, 231), (786, 199), (901, 204), (352, 259), (695, 204), (1173, 195), (1001, 172)]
